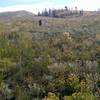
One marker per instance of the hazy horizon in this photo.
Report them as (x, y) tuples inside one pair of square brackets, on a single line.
[(38, 5)]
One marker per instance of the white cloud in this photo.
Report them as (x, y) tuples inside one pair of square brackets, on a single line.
[(81, 4), (85, 4), (31, 7)]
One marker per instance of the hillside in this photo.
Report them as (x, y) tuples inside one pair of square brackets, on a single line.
[(15, 14), (27, 22), (45, 58)]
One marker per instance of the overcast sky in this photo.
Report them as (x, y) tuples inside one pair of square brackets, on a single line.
[(38, 5)]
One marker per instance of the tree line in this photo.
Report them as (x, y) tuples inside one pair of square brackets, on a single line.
[(61, 12)]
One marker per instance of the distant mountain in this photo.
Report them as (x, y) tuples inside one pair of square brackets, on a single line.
[(15, 14)]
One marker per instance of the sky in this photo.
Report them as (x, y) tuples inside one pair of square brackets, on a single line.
[(39, 5)]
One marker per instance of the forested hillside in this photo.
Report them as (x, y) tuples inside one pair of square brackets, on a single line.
[(59, 60)]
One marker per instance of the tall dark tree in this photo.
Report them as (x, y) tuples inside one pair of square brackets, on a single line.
[(39, 14), (66, 8)]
